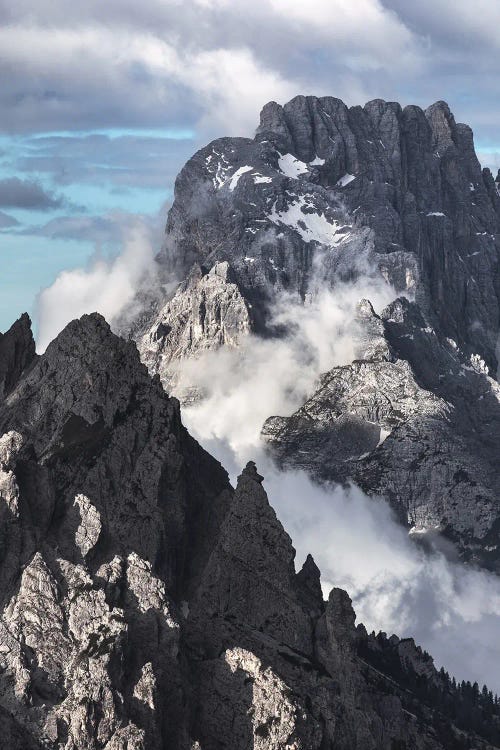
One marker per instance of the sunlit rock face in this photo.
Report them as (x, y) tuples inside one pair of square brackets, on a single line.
[(206, 312)]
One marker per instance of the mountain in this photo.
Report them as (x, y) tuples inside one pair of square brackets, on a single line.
[(147, 604), (322, 196)]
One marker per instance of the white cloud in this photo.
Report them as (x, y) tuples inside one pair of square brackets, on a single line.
[(197, 63), (369, 35), (107, 286), (214, 78), (452, 610)]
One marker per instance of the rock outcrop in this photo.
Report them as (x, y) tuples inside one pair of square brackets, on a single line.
[(17, 352), (146, 604), (415, 421), (207, 311), (108, 507)]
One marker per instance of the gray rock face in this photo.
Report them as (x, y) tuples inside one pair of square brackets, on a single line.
[(325, 193), (377, 186), (105, 517), (206, 312), (146, 605), (17, 351), (415, 421)]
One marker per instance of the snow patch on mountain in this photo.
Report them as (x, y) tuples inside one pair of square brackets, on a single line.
[(260, 179), (292, 167), (345, 180), (236, 176), (312, 227)]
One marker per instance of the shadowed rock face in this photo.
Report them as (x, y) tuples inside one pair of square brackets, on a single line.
[(17, 351), (145, 604)]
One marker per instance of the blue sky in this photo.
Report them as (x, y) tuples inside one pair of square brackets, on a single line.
[(102, 103), (86, 182)]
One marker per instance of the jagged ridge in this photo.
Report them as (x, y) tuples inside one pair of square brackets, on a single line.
[(145, 604)]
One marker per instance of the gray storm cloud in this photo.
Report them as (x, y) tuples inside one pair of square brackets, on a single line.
[(7, 221), (27, 194), (188, 63)]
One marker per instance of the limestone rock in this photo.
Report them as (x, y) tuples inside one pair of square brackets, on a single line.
[(323, 194), (418, 424), (144, 603), (206, 312)]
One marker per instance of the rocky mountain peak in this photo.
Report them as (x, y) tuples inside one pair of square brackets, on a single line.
[(17, 352), (325, 195), (326, 192), (145, 602)]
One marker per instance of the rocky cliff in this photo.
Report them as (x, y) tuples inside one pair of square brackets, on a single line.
[(398, 189), (326, 194), (146, 604)]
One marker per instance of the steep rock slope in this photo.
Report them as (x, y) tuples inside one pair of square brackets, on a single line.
[(17, 352), (207, 311), (108, 510), (146, 605)]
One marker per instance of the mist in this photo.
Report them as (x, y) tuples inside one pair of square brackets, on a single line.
[(397, 585), (452, 610), (266, 377), (108, 285)]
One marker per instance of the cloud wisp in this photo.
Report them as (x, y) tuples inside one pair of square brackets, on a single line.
[(189, 63), (264, 377), (107, 285)]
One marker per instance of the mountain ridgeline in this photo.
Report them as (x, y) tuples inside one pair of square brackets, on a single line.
[(146, 604)]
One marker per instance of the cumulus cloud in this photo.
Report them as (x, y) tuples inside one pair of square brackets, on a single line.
[(197, 63), (17, 193), (108, 286), (170, 83)]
